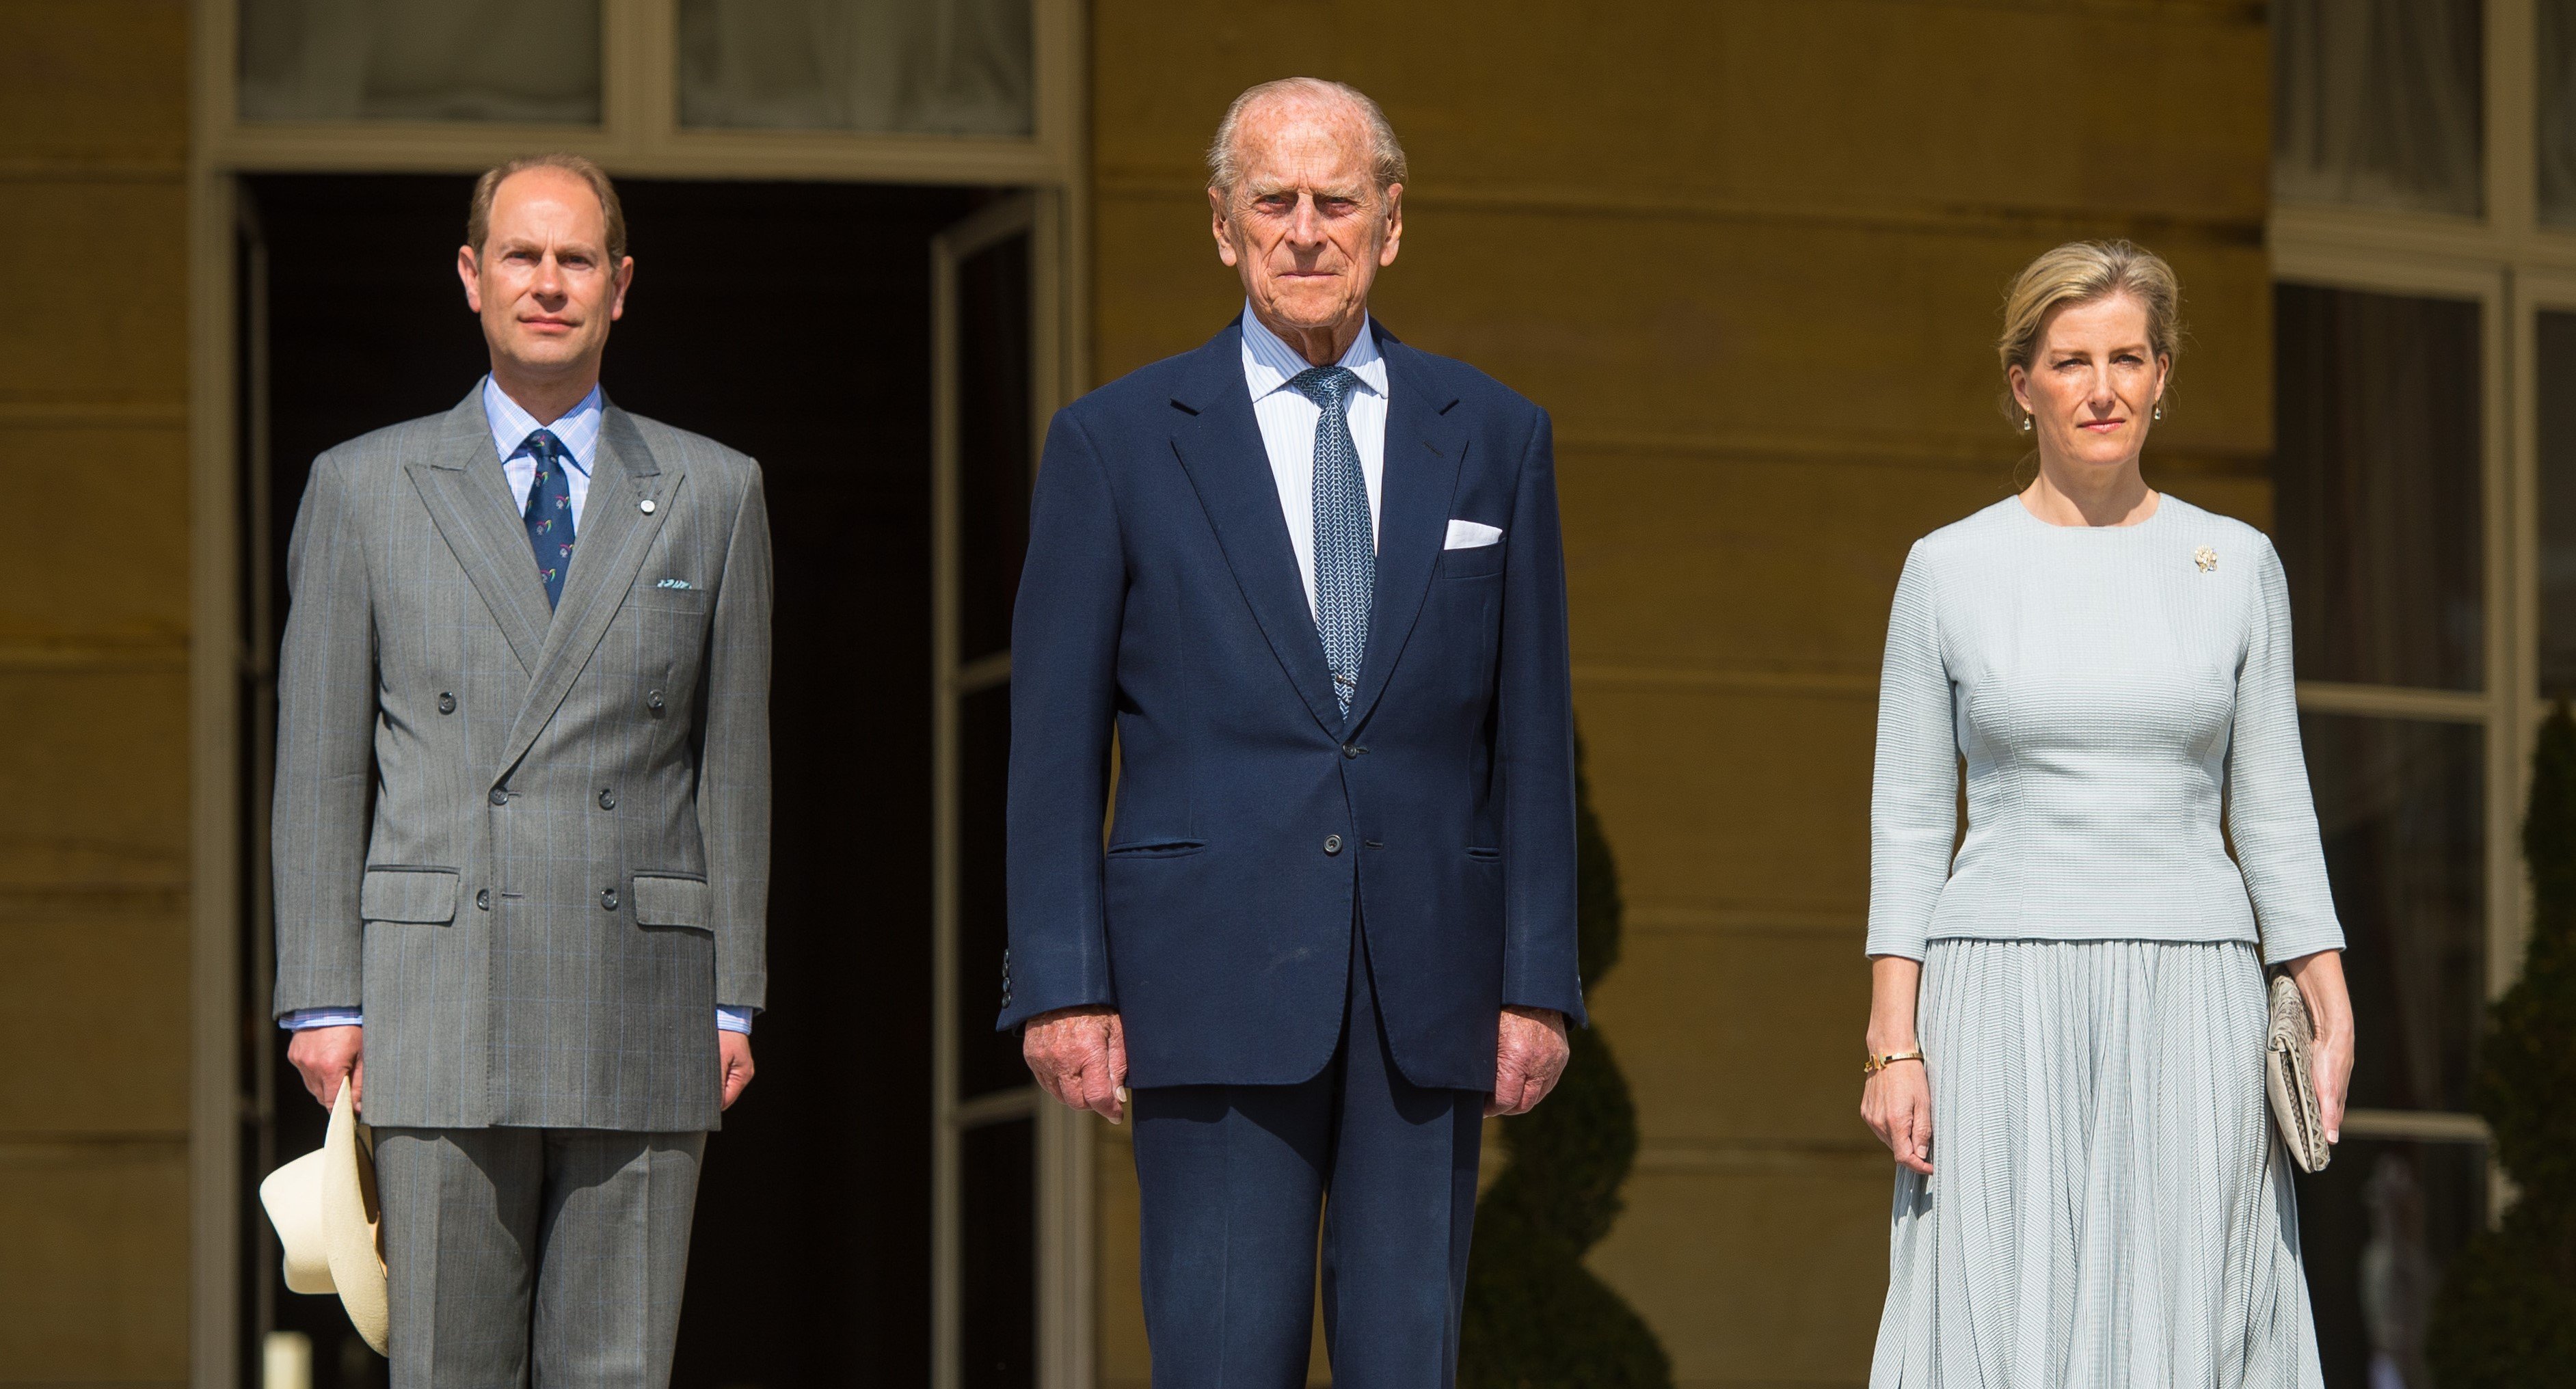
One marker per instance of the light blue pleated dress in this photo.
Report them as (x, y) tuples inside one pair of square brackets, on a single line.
[(2109, 1206)]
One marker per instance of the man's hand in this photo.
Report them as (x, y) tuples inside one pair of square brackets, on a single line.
[(1529, 1055), (323, 1055), (733, 1058), (1079, 1055)]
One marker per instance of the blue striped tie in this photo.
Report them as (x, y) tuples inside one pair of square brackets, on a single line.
[(549, 513), (1345, 541)]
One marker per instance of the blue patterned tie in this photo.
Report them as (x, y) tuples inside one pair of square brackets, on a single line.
[(1345, 542), (549, 513)]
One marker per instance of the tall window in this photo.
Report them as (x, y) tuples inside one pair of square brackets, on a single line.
[(2424, 241)]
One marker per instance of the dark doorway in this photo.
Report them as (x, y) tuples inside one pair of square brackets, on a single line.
[(790, 321)]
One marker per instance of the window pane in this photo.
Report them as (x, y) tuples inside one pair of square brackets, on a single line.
[(2379, 104), (2557, 409), (532, 61), (2401, 805), (997, 1322), (939, 67), (986, 1060), (2377, 479), (2555, 57), (2376, 1229)]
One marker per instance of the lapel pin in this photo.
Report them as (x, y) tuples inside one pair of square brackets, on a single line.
[(647, 504), (2205, 557)]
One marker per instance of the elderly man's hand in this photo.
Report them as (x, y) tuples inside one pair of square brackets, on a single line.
[(1529, 1055), (322, 1055), (1079, 1055)]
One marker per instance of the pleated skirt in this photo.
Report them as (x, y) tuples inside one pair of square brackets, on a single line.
[(2109, 1207)]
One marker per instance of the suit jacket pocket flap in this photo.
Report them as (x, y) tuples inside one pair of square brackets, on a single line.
[(671, 901), (424, 895)]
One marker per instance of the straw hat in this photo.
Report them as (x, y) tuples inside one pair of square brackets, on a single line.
[(324, 1207)]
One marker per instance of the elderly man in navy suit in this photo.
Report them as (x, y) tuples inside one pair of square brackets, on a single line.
[(1311, 580)]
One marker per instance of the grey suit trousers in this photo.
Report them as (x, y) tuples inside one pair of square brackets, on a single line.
[(557, 1252)]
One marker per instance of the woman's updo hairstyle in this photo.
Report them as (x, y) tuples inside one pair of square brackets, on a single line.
[(2083, 272)]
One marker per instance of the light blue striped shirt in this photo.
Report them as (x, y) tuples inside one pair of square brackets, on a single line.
[(1288, 422), (578, 431)]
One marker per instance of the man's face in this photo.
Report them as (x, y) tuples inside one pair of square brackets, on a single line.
[(541, 281), (1305, 225)]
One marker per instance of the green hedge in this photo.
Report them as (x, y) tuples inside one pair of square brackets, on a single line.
[(1536, 1317), (2505, 1317)]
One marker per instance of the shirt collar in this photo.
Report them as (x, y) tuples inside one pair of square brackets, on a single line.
[(577, 430), (1269, 362)]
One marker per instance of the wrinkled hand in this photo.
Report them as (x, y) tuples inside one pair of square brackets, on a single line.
[(324, 1055), (733, 1056), (1529, 1056), (1079, 1055), (1897, 1104)]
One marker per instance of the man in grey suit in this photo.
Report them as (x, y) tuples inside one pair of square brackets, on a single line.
[(522, 821)]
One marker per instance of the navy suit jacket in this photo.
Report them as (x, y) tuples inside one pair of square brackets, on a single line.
[(1161, 598)]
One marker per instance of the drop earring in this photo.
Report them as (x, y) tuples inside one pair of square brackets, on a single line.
[(2025, 423), (2160, 412)]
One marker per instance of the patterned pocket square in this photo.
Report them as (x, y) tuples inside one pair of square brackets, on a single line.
[(675, 583)]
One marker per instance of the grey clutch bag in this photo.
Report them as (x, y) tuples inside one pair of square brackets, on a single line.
[(2287, 1079)]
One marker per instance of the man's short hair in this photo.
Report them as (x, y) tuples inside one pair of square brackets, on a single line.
[(1386, 156), (478, 213)]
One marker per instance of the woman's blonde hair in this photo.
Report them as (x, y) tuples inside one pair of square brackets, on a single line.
[(2083, 272)]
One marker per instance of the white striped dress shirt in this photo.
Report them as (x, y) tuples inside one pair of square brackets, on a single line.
[(1288, 422)]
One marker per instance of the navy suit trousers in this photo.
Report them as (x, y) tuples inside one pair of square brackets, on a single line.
[(1235, 1179)]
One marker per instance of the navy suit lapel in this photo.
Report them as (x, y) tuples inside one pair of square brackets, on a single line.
[(1219, 445), (1419, 476), (469, 501)]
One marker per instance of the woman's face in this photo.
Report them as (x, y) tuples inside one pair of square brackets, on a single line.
[(2092, 385)]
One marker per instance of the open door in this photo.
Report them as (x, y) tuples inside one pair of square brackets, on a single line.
[(1009, 1295)]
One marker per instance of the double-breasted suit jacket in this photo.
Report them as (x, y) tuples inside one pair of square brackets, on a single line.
[(531, 845), (1254, 823)]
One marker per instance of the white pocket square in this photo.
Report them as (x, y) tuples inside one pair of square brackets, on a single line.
[(1471, 535)]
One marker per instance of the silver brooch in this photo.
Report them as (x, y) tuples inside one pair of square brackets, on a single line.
[(2206, 558)]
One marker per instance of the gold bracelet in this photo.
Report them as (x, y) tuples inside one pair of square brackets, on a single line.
[(1877, 1062)]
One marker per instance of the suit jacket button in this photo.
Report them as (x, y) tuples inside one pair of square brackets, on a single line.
[(1332, 843), (653, 701), (483, 899), (607, 799), (446, 702), (1350, 750), (499, 796), (608, 899)]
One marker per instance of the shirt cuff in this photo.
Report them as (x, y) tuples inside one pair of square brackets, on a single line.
[(733, 1019), (304, 1018)]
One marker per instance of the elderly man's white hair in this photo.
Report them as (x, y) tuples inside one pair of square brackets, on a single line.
[(1386, 156)]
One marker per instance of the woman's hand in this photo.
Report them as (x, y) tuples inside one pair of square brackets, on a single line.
[(1897, 1102), (2320, 980)]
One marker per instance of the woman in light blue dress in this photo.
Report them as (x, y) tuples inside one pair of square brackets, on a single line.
[(2074, 1001)]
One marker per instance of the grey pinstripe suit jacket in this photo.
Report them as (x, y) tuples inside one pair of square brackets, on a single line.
[(533, 847)]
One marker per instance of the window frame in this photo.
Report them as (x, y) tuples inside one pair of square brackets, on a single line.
[(2514, 267), (640, 134)]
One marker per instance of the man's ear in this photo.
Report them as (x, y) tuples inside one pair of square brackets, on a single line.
[(1394, 242), (469, 268), (617, 297), (1221, 225)]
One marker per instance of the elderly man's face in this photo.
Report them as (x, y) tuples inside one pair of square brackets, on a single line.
[(1305, 225), (542, 281)]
